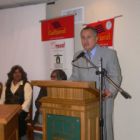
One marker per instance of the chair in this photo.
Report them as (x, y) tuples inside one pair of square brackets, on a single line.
[(31, 126)]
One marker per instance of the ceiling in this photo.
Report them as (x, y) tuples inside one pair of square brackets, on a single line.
[(16, 3)]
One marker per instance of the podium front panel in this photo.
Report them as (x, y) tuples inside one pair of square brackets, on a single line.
[(60, 127)]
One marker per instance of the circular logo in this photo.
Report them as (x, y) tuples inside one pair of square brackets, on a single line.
[(108, 25)]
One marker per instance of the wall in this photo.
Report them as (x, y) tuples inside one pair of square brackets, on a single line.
[(126, 42), (20, 41)]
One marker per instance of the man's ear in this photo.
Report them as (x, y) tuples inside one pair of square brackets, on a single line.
[(96, 39)]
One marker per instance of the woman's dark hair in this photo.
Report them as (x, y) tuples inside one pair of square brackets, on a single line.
[(10, 75), (60, 74)]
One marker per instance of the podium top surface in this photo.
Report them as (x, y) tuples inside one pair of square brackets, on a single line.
[(7, 112), (64, 84)]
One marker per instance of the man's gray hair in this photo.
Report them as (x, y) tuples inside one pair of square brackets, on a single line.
[(90, 28)]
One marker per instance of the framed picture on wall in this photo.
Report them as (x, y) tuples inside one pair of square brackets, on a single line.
[(78, 13)]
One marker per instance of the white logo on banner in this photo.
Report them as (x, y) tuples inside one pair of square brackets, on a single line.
[(60, 54)]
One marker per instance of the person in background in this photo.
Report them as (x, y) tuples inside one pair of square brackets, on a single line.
[(85, 72), (18, 91), (57, 74)]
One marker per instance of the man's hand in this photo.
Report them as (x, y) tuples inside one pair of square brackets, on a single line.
[(106, 93)]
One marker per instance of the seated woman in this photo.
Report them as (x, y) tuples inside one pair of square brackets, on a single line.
[(57, 74), (18, 91)]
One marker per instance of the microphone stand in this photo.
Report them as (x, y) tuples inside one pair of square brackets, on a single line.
[(103, 74), (100, 72)]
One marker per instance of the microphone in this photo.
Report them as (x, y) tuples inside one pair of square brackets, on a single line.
[(80, 55), (125, 94)]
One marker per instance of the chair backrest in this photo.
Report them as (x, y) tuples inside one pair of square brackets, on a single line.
[(31, 127)]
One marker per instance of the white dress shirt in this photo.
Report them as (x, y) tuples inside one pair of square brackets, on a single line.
[(27, 94)]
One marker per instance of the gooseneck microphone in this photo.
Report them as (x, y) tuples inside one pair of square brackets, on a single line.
[(80, 55)]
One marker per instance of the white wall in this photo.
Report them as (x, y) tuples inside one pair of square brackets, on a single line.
[(126, 42), (20, 41)]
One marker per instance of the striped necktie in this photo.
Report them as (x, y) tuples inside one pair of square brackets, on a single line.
[(89, 55)]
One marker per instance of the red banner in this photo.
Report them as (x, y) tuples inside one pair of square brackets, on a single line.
[(105, 30), (58, 28)]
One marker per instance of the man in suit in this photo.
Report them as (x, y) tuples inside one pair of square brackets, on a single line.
[(84, 71)]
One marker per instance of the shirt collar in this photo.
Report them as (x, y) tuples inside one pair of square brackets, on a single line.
[(19, 83), (92, 52)]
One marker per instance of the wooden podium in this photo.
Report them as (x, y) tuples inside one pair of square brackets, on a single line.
[(9, 122), (70, 111)]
